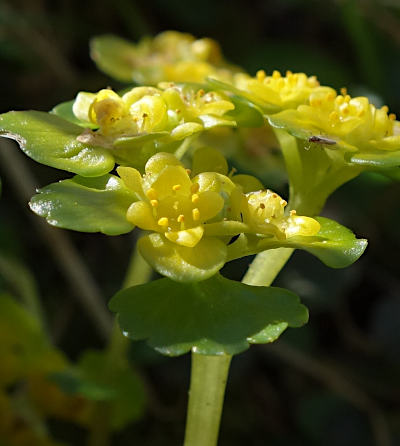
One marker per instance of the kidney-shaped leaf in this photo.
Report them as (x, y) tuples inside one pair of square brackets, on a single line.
[(51, 140), (212, 317), (86, 204)]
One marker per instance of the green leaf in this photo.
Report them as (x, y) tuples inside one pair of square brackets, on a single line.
[(64, 111), (86, 204), (114, 56), (335, 245), (245, 113), (51, 140), (212, 317)]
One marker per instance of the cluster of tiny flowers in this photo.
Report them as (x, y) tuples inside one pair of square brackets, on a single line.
[(173, 56), (178, 111), (354, 123), (183, 210), (277, 91)]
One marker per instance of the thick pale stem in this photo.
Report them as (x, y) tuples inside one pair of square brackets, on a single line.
[(266, 266), (206, 397)]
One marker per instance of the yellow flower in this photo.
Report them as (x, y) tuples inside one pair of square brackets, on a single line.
[(264, 212), (173, 113), (340, 121), (171, 203), (175, 208), (170, 56), (276, 92), (192, 215)]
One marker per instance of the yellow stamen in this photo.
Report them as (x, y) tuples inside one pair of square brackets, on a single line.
[(347, 98), (195, 214), (163, 221), (181, 218), (154, 203), (276, 74), (176, 187), (392, 117), (385, 109), (151, 194), (262, 206), (188, 171), (195, 198), (283, 202), (339, 100), (176, 205), (293, 212), (289, 73), (343, 91), (260, 75), (195, 188)]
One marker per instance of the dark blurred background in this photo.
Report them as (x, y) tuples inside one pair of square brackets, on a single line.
[(334, 382)]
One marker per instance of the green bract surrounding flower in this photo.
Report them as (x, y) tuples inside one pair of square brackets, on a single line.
[(368, 136), (192, 218), (276, 92), (170, 56)]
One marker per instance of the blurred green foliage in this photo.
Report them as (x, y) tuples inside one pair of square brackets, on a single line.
[(334, 382)]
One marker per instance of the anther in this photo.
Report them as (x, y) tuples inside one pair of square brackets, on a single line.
[(181, 218), (392, 116), (188, 171), (163, 221), (176, 187), (288, 73), (343, 91), (275, 195), (195, 198), (195, 214), (151, 194), (283, 202), (195, 188), (260, 75), (385, 109), (154, 203), (276, 74), (293, 212), (262, 206)]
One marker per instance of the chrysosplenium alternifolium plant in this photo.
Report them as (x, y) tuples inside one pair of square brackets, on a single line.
[(195, 212)]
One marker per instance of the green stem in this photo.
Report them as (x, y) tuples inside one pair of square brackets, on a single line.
[(266, 266), (206, 397)]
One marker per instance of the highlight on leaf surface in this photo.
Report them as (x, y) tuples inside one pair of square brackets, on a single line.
[(170, 56), (213, 317), (53, 141), (86, 204)]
